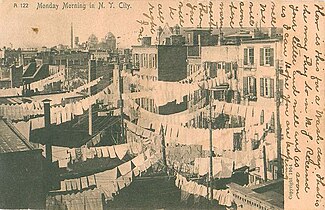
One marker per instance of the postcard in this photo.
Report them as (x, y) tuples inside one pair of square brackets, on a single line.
[(147, 104)]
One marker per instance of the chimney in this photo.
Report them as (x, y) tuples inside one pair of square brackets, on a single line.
[(47, 122), (159, 32), (220, 38), (177, 30), (146, 41), (76, 41), (272, 32)]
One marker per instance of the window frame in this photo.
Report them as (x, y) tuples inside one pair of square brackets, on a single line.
[(267, 56), (267, 88), (249, 56)]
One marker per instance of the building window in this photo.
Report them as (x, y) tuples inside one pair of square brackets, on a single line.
[(227, 67), (248, 56), (262, 118), (136, 60), (267, 56), (189, 38), (237, 142), (150, 61), (267, 87), (255, 142), (249, 87), (154, 60)]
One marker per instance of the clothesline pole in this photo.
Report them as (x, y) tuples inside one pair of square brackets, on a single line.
[(120, 86), (264, 163), (211, 145), (278, 124), (163, 146), (67, 76), (90, 75)]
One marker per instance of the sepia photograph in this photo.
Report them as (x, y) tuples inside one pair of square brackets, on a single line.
[(161, 105)]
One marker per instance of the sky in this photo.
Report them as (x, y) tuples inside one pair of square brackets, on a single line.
[(54, 25)]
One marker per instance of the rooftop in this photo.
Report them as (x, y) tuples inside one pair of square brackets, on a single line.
[(270, 192), (11, 140)]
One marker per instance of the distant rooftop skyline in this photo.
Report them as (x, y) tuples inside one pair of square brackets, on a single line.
[(53, 26)]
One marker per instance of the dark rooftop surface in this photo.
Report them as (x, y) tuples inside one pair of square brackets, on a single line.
[(30, 70), (11, 140), (75, 132)]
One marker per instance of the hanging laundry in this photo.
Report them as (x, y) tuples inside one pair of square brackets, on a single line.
[(138, 160), (59, 117), (103, 178), (24, 128), (222, 167), (72, 153), (125, 168), (120, 182), (136, 171), (91, 180), (112, 153), (121, 150), (37, 123), (99, 152), (63, 186), (105, 151), (68, 185)]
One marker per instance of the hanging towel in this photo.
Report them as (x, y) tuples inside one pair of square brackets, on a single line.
[(120, 182), (63, 186), (63, 163), (68, 185), (84, 182), (121, 150), (91, 180), (105, 151), (111, 151), (99, 152), (138, 160), (125, 168), (136, 171)]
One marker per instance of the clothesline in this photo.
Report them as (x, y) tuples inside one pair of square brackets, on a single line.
[(88, 85), (19, 111), (40, 84), (6, 92), (224, 197), (222, 167), (115, 151), (76, 199), (108, 180), (61, 114)]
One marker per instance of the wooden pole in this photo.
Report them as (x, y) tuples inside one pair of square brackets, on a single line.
[(278, 124), (163, 147)]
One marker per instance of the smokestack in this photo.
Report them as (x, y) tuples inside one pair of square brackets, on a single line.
[(71, 36)]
